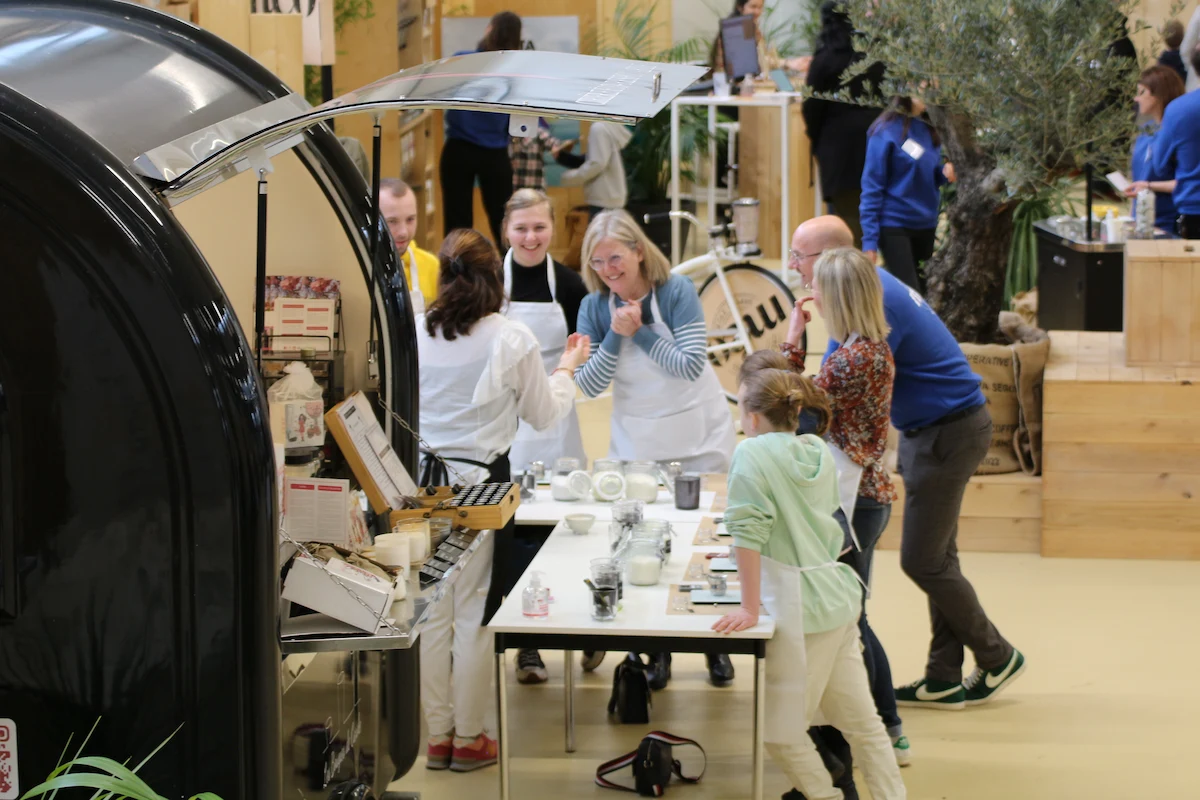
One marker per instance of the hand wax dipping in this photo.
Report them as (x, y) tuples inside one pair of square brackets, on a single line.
[(649, 343)]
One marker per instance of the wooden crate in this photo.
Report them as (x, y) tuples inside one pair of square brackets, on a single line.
[(1162, 303), (1000, 514), (1121, 453)]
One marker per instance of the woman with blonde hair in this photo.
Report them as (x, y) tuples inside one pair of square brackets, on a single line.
[(649, 343), (857, 378)]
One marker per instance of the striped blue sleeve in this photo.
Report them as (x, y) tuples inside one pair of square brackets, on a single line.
[(681, 310), (597, 372)]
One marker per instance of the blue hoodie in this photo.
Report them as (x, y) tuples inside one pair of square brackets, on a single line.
[(899, 191), (481, 128), (1177, 151)]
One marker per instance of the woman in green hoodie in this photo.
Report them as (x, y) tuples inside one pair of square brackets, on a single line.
[(783, 493)]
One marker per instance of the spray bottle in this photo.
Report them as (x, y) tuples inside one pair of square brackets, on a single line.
[(535, 600)]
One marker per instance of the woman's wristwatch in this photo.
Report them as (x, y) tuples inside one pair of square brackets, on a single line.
[(794, 353)]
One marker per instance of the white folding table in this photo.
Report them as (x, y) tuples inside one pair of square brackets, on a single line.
[(642, 624)]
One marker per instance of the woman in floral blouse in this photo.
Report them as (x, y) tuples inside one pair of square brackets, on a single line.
[(858, 376)]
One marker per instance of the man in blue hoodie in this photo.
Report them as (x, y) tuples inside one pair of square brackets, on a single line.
[(1177, 152), (942, 414)]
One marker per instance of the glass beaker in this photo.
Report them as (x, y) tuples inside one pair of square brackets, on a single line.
[(440, 529), (607, 572)]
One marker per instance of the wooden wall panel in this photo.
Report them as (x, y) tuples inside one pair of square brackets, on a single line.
[(229, 19)]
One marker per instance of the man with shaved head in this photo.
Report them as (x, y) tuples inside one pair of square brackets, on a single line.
[(941, 412)]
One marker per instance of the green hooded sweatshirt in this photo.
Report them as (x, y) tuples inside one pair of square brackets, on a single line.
[(782, 497)]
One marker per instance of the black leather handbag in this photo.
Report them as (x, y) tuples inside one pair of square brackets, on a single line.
[(630, 701), (653, 765)]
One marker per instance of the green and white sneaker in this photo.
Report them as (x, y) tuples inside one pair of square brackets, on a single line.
[(903, 751), (924, 693), (983, 685)]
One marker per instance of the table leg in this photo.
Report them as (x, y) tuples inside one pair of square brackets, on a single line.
[(502, 724), (569, 697), (760, 712)]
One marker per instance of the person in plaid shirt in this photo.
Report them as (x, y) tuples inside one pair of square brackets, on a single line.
[(529, 169)]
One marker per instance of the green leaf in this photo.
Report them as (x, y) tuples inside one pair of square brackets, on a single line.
[(89, 780)]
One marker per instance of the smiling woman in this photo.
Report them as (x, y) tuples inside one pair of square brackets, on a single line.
[(648, 342)]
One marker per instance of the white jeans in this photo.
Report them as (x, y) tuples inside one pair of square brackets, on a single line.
[(456, 653), (838, 688)]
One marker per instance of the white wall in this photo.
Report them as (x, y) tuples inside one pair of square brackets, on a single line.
[(699, 17)]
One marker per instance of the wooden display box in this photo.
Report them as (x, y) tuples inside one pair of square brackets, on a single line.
[(490, 512), (1121, 453), (1162, 303)]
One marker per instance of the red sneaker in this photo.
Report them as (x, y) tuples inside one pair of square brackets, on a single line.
[(482, 752), (439, 751)]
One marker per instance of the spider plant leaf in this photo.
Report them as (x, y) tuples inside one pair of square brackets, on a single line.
[(118, 771), (89, 780), (154, 752)]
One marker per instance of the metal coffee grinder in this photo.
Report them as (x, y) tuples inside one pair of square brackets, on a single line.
[(745, 226)]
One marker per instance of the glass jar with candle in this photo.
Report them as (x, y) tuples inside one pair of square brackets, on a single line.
[(643, 563), (569, 482), (417, 531), (641, 481)]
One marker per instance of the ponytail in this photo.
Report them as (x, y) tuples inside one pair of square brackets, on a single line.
[(780, 395), (469, 285)]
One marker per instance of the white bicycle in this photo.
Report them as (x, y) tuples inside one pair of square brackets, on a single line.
[(745, 306)]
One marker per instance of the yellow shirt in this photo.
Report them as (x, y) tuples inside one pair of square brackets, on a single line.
[(427, 271)]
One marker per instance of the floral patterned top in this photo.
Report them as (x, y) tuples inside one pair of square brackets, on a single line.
[(858, 380)]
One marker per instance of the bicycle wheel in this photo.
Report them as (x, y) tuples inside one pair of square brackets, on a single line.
[(764, 302)]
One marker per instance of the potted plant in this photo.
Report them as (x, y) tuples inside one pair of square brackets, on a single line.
[(647, 157), (1024, 93)]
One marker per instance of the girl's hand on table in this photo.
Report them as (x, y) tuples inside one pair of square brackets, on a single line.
[(735, 621)]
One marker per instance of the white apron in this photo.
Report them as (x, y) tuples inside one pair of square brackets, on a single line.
[(549, 326), (786, 719), (658, 417), (849, 474), (414, 281)]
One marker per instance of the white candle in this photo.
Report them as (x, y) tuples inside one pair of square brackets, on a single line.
[(644, 570)]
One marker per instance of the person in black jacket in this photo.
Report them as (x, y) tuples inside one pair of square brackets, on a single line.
[(1172, 33), (838, 131)]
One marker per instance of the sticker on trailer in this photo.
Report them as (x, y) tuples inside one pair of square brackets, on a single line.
[(10, 786)]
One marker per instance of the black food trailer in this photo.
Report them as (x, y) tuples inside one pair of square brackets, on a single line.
[(139, 555)]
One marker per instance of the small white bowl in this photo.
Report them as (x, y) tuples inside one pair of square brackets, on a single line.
[(580, 523)]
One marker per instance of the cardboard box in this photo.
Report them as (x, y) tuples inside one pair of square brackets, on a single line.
[(311, 587)]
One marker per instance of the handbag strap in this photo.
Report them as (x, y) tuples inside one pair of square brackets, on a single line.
[(679, 741), (621, 762), (609, 767)]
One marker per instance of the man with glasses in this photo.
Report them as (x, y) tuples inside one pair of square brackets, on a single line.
[(938, 406)]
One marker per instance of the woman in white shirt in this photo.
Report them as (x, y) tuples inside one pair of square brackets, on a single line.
[(480, 373)]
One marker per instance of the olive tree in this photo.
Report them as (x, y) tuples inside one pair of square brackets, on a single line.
[(1023, 93)]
